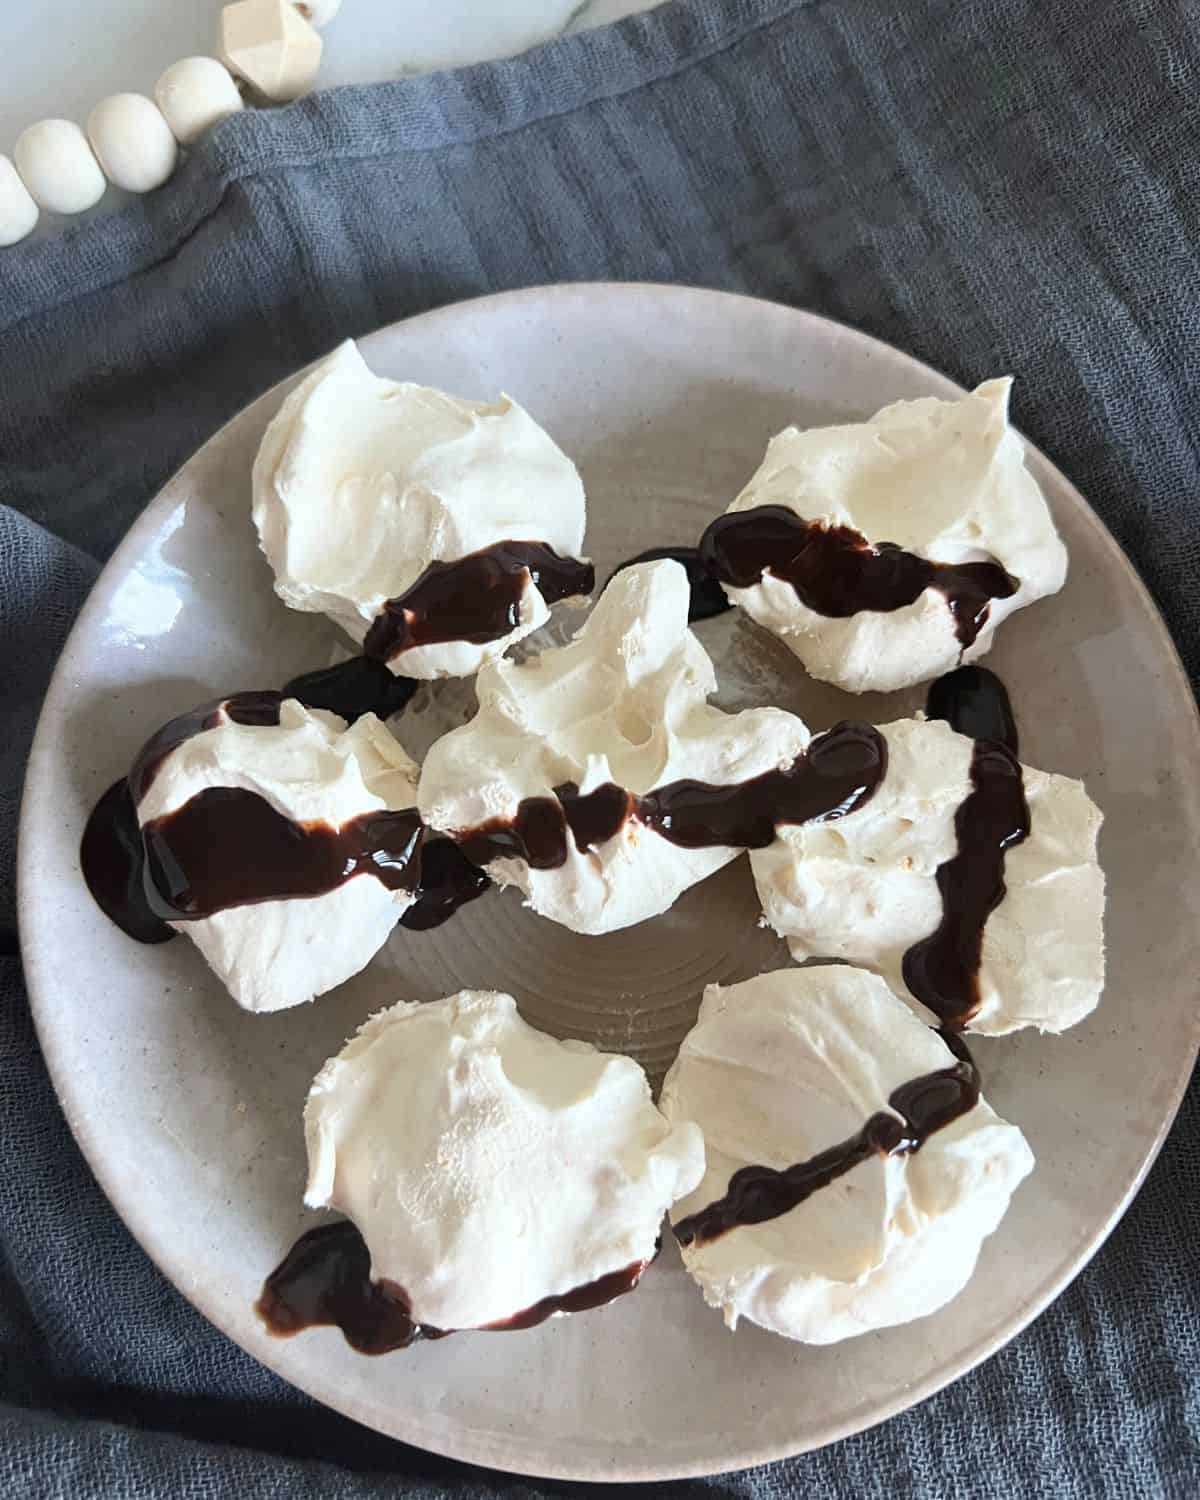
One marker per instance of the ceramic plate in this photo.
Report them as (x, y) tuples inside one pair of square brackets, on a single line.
[(189, 1110)]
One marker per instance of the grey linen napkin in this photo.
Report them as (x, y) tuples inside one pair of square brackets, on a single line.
[(996, 185)]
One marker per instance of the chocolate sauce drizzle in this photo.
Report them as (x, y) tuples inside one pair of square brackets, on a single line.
[(113, 862), (579, 1299), (112, 854), (476, 598), (921, 1107), (837, 774), (228, 847), (974, 702), (448, 880), (707, 595), (353, 688), (837, 572), (325, 1281), (942, 970)]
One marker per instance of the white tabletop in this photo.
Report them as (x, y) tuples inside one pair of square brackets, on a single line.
[(58, 63)]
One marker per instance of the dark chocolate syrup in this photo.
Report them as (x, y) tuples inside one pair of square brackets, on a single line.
[(942, 970), (113, 861), (476, 598), (448, 880), (837, 774), (707, 595), (229, 847), (921, 1107), (536, 833), (353, 688), (112, 853), (837, 572), (325, 1280), (580, 1299), (974, 702), (113, 858)]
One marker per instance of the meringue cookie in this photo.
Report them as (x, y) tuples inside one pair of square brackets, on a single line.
[(361, 483), (865, 890), (943, 480), (487, 1165), (792, 1064), (623, 703), (311, 769)]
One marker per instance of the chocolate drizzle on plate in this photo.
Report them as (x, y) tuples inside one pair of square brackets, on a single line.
[(835, 571), (942, 970), (476, 598), (353, 688), (915, 1111), (837, 774), (448, 880), (974, 702), (113, 861), (707, 595), (325, 1281)]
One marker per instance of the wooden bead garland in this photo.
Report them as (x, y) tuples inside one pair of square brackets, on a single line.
[(273, 46)]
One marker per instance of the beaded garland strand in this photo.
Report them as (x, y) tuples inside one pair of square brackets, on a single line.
[(269, 49)]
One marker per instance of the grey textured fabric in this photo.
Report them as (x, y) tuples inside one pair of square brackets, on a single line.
[(992, 184)]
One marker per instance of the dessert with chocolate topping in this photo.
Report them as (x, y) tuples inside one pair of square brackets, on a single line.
[(886, 552), (853, 1169), (435, 531), (260, 828), (496, 1175), (970, 882), (492, 1176), (598, 779)]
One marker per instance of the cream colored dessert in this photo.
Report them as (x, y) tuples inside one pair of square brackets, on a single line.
[(623, 705), (817, 1062), (943, 480), (865, 889), (361, 483), (487, 1165), (313, 770)]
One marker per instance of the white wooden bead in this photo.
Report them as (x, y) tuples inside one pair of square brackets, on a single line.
[(18, 211), (132, 142), (319, 12), (272, 46), (57, 166), (194, 95)]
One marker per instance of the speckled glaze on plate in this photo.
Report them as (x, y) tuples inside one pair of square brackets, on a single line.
[(189, 1110)]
